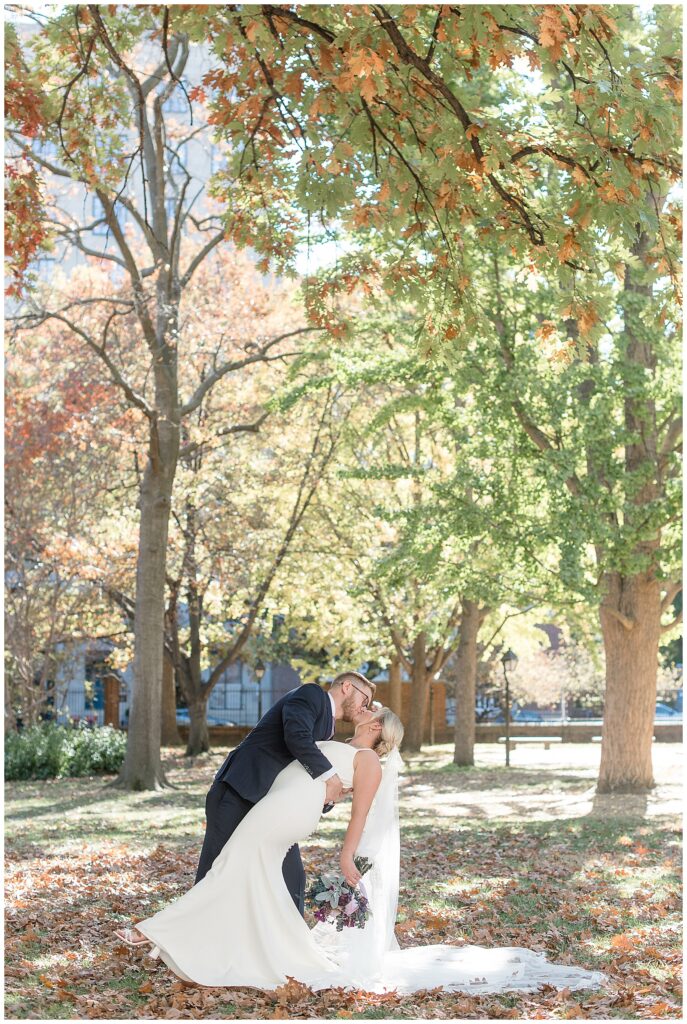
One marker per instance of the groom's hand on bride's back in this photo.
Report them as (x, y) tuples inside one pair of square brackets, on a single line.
[(333, 793), (334, 790)]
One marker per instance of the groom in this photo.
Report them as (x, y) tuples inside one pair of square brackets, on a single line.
[(287, 732)]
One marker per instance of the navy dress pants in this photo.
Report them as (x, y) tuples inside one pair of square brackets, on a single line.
[(224, 810)]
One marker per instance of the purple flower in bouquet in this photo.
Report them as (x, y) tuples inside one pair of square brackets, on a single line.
[(332, 899)]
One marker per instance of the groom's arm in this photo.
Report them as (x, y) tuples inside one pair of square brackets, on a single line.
[(299, 715)]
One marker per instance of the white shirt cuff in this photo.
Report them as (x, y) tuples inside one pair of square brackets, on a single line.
[(327, 775)]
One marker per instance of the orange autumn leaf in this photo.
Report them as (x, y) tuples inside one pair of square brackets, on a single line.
[(611, 193), (368, 90), (675, 86), (326, 58), (569, 248), (364, 63), (552, 33), (586, 319), (585, 218), (252, 30), (546, 330)]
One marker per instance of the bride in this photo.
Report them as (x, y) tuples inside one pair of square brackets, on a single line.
[(239, 926)]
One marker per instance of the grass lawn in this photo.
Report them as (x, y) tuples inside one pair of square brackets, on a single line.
[(491, 856)]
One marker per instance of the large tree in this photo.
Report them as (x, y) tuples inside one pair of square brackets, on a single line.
[(110, 74), (596, 402), (415, 123)]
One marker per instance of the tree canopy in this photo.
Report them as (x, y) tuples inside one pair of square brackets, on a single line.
[(419, 125)]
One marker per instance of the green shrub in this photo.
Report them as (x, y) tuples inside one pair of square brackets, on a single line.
[(50, 751)]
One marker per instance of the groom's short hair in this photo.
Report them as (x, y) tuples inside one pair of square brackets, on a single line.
[(354, 675)]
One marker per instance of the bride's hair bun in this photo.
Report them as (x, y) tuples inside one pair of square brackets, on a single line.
[(392, 731)]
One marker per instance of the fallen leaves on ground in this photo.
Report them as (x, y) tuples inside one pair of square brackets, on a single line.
[(599, 894)]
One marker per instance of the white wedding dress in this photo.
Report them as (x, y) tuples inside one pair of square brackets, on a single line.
[(239, 925)]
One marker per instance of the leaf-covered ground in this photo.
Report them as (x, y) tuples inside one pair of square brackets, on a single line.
[(525, 856)]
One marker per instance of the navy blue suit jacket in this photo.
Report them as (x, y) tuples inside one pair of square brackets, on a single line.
[(287, 732)]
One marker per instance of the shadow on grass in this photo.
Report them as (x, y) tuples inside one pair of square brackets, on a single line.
[(627, 805), (177, 797)]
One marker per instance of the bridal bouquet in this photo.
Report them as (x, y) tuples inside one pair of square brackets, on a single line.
[(333, 899)]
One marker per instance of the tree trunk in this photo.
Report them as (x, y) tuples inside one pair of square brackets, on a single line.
[(631, 667), (198, 733), (466, 684), (170, 732), (396, 687), (142, 768), (10, 717), (419, 694), (630, 612)]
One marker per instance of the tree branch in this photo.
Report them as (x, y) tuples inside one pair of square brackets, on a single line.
[(673, 434), (133, 396), (237, 364), (238, 428), (200, 256), (624, 621), (671, 625), (409, 56), (672, 590)]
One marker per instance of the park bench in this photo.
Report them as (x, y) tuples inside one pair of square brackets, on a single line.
[(518, 740)]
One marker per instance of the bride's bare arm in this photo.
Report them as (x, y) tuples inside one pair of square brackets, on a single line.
[(367, 774)]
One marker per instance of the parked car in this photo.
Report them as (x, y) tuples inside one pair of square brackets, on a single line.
[(582, 713), (516, 715), (526, 716), (489, 715), (665, 711)]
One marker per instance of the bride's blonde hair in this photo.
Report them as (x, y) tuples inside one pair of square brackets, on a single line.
[(392, 731)]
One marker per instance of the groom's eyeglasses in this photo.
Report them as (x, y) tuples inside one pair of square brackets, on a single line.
[(367, 699)]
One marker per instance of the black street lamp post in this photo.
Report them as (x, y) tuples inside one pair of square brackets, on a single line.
[(509, 661)]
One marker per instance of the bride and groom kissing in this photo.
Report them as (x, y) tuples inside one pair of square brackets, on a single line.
[(242, 922)]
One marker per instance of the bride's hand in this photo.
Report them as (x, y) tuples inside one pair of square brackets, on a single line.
[(349, 870)]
